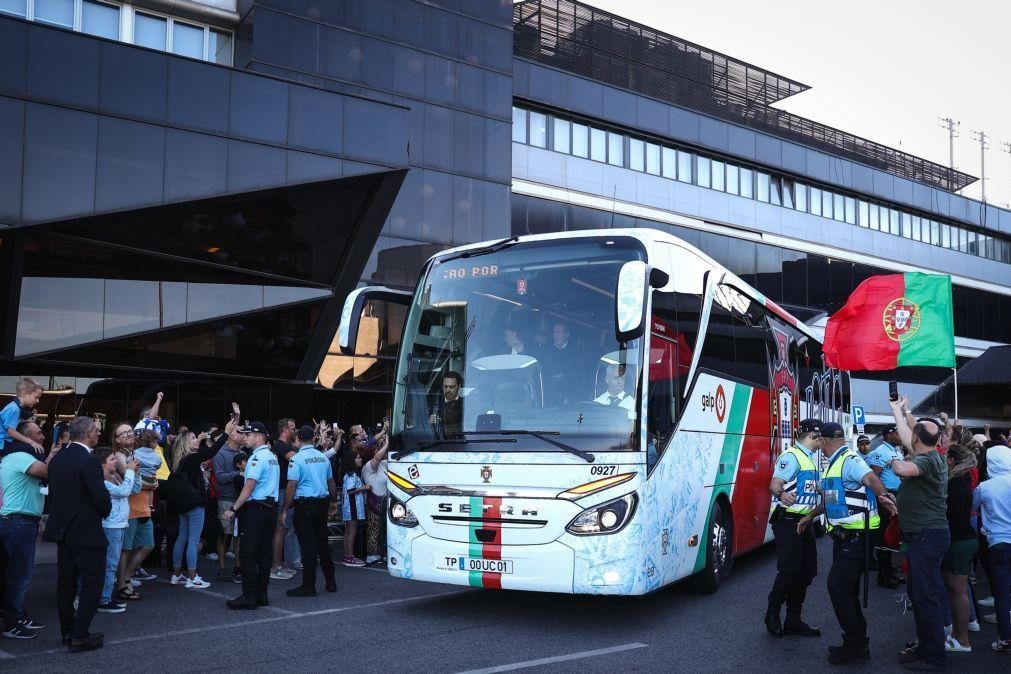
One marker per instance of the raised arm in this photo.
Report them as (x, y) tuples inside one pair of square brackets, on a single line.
[(900, 411)]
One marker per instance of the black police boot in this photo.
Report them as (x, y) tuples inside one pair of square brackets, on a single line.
[(302, 591), (242, 602), (889, 581), (852, 649), (798, 627), (331, 584), (261, 600), (773, 623)]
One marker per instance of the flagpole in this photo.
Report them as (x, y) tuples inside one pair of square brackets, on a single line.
[(955, 371)]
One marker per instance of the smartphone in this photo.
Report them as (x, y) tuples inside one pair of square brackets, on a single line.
[(893, 390), (335, 426)]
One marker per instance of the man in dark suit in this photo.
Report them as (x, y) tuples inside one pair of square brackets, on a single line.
[(78, 502), (447, 414)]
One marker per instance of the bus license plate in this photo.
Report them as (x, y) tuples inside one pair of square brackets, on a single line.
[(462, 563)]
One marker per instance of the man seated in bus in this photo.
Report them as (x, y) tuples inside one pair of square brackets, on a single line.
[(561, 363), (513, 344), (615, 395), (447, 413)]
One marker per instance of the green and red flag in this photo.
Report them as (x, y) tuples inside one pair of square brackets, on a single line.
[(893, 321)]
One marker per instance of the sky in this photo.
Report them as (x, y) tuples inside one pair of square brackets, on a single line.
[(886, 70)]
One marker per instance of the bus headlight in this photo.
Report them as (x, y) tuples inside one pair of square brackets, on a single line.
[(606, 518), (401, 515)]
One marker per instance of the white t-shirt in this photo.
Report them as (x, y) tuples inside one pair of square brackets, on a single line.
[(376, 479)]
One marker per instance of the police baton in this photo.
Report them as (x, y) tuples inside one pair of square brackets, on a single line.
[(867, 553)]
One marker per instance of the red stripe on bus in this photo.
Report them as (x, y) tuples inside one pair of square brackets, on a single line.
[(492, 550)]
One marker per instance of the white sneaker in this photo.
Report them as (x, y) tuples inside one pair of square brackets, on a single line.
[(990, 618), (952, 645), (213, 556), (948, 630), (987, 602), (196, 583), (279, 574), (229, 554), (974, 626), (135, 583), (372, 559)]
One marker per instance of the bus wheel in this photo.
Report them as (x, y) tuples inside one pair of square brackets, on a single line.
[(719, 552)]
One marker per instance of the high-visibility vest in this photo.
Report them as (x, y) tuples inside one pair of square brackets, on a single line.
[(804, 483), (853, 509)]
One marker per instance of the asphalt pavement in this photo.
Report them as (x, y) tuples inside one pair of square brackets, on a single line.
[(378, 623)]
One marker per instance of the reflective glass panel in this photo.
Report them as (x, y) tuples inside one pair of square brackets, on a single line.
[(945, 235), (787, 193), (815, 201), (219, 48), (15, 7), (670, 163), (775, 197), (862, 213), (719, 177), (684, 166), (636, 154), (800, 196), (653, 158), (561, 140), (907, 225), (839, 209), (826, 205), (703, 172), (916, 228), (763, 186), (872, 220), (747, 183), (98, 18), (56, 12), (538, 129), (733, 179), (519, 125), (598, 145), (850, 205), (615, 149), (935, 233), (187, 40), (149, 31), (893, 221), (580, 140)]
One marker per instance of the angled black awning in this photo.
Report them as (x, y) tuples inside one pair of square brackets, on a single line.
[(992, 368), (984, 389)]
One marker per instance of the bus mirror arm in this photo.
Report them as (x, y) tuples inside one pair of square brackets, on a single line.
[(351, 314), (658, 278)]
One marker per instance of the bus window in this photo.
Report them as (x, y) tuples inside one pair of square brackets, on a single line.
[(750, 337), (670, 358)]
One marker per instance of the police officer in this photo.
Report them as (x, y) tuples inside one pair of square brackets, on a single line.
[(795, 485), (880, 461), (312, 489), (258, 505), (850, 496)]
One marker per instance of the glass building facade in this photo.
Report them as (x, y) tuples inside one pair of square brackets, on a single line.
[(188, 191)]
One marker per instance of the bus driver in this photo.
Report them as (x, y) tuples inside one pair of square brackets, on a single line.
[(615, 395)]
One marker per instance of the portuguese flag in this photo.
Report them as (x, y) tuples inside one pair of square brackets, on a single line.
[(893, 321)]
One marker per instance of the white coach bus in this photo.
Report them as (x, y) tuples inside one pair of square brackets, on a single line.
[(588, 412)]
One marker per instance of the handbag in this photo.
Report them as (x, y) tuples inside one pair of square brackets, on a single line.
[(181, 494)]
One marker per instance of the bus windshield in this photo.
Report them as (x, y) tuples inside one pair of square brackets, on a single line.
[(515, 350)]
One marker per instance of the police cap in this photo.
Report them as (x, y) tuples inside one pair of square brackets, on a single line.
[(861, 439), (889, 430), (832, 430), (809, 426), (255, 427)]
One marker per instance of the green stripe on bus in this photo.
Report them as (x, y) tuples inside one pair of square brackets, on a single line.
[(476, 510), (733, 440)]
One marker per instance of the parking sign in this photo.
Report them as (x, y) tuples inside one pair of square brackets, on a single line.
[(858, 417)]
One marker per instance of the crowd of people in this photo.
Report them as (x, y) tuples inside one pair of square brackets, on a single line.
[(150, 495), (929, 490)]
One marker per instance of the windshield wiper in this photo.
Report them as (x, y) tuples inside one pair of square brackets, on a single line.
[(483, 250), (540, 435), (448, 441)]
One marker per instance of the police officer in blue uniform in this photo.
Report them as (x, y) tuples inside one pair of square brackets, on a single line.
[(257, 507), (850, 496), (312, 489), (795, 486)]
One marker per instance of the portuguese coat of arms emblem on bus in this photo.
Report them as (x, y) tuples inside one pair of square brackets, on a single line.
[(486, 473), (784, 388), (901, 319)]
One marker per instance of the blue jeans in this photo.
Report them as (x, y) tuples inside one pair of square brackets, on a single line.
[(191, 524), (926, 549), (18, 539), (115, 538), (1000, 583)]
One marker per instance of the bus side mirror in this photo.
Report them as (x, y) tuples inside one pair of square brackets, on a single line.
[(634, 281), (351, 315)]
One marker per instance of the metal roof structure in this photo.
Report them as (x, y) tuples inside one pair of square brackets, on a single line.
[(602, 46)]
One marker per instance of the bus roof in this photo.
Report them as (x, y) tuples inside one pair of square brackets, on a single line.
[(648, 237)]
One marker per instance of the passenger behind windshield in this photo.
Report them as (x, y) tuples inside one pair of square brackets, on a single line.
[(560, 361), (447, 413)]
